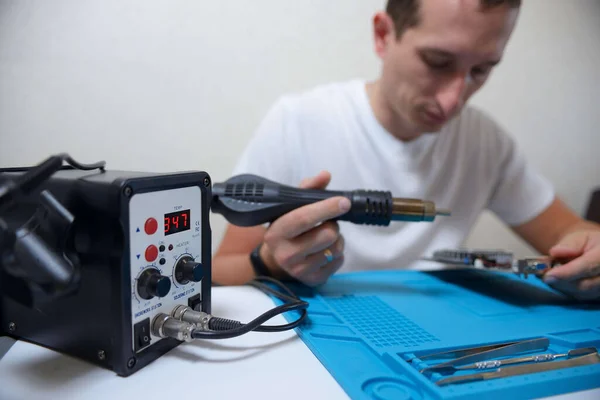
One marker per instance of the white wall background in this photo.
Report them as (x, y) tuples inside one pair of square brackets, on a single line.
[(165, 85)]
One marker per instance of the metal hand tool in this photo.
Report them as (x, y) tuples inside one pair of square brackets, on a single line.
[(534, 358), (516, 370), (461, 352), (514, 348)]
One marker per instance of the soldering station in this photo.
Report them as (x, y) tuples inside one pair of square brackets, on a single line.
[(114, 267)]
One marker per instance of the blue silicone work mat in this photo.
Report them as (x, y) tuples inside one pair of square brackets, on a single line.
[(370, 328)]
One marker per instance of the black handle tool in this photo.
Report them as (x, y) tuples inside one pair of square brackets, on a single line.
[(250, 200)]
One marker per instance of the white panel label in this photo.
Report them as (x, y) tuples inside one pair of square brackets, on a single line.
[(164, 227)]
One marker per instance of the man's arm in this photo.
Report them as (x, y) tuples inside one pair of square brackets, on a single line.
[(551, 226), (231, 263), (560, 233)]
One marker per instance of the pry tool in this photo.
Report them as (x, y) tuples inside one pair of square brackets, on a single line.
[(534, 358), (450, 367), (593, 358)]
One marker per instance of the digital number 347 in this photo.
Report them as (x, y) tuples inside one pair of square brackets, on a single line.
[(175, 221)]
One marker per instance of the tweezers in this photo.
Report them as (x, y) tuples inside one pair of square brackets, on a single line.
[(461, 352), (487, 354), (593, 358)]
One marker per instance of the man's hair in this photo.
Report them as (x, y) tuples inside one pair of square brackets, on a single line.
[(405, 13)]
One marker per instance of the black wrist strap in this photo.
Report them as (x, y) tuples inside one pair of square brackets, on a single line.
[(260, 268)]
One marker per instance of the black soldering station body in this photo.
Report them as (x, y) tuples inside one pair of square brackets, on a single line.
[(128, 241)]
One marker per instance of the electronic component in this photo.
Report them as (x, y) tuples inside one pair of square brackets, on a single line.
[(249, 200), (496, 259), (478, 258), (535, 265)]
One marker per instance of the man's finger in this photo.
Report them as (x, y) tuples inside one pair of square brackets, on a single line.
[(564, 252), (582, 267), (319, 181), (321, 276), (319, 260), (318, 239), (589, 287), (565, 287), (316, 261), (569, 246), (299, 249), (302, 219), (583, 289)]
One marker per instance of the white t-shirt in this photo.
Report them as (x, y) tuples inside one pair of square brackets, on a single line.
[(470, 165)]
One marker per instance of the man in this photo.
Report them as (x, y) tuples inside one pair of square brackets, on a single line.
[(408, 132)]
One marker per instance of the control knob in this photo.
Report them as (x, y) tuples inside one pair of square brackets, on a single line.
[(187, 270), (152, 284)]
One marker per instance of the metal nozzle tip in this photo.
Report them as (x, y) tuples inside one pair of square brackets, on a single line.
[(443, 211)]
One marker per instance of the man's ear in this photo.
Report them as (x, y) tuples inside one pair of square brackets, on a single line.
[(383, 32)]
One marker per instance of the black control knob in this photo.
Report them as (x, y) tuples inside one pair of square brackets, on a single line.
[(187, 270), (152, 284)]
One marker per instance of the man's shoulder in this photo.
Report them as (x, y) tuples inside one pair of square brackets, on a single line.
[(326, 90), (322, 98), (305, 115)]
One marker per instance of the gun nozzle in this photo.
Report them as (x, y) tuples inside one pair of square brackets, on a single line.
[(415, 210), (444, 212)]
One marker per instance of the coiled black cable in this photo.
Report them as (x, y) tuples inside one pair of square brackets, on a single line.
[(222, 328), (36, 175), (55, 162)]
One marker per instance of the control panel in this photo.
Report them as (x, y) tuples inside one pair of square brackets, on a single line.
[(165, 256)]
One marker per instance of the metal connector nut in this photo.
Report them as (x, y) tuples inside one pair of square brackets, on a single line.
[(187, 314), (165, 326)]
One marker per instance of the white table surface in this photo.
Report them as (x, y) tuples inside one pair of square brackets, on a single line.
[(255, 365)]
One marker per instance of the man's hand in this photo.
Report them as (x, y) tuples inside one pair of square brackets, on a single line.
[(579, 277), (303, 243)]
